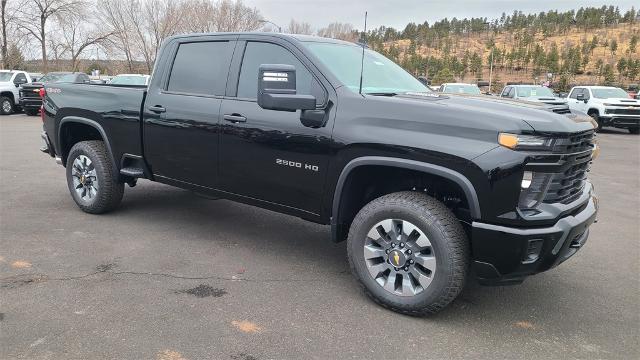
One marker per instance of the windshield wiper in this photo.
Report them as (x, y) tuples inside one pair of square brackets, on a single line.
[(382, 93)]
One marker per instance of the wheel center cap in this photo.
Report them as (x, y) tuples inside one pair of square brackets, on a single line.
[(397, 258), (82, 179)]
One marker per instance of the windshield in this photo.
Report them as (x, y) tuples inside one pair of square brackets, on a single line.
[(380, 75), (607, 93), (533, 91), (5, 76), (129, 80), (462, 89), (57, 78)]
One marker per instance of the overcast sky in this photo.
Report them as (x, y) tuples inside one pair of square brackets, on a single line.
[(397, 13)]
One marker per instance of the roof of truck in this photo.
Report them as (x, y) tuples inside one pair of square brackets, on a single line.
[(302, 38)]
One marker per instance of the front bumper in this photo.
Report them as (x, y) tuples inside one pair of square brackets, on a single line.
[(33, 103), (507, 255), (621, 121)]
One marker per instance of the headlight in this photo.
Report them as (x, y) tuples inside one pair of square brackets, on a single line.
[(533, 189), (525, 142)]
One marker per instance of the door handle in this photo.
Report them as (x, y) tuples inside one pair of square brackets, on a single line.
[(234, 118), (157, 109)]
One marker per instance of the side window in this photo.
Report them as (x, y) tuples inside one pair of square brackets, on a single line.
[(512, 92), (20, 79), (587, 96), (574, 93), (505, 91), (258, 53), (200, 68)]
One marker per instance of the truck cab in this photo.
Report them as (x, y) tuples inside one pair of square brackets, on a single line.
[(608, 106), (10, 82)]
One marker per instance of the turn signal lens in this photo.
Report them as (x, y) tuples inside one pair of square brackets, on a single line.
[(508, 140), (42, 91)]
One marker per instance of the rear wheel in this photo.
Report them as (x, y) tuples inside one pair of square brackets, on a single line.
[(90, 178), (409, 253), (6, 105)]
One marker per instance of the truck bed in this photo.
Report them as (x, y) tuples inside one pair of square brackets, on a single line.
[(116, 109)]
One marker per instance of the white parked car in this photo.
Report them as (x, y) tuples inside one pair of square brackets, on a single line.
[(10, 81), (539, 94), (130, 79), (459, 88), (608, 105)]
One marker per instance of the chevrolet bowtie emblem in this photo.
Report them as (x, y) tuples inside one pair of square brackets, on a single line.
[(396, 258)]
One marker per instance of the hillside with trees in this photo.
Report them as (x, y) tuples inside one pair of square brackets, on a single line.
[(586, 46)]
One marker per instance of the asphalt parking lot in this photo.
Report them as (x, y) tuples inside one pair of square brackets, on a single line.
[(173, 276)]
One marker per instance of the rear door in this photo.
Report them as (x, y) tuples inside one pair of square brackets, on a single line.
[(270, 155), (181, 114)]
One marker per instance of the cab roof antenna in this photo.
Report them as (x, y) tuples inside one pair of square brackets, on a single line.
[(363, 44)]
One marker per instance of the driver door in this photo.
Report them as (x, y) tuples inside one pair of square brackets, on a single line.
[(269, 155)]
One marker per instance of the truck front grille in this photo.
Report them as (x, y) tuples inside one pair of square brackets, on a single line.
[(567, 186), (624, 111)]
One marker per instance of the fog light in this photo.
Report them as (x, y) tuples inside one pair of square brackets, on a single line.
[(533, 189), (526, 179)]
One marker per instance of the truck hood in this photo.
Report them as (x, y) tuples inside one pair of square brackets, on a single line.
[(618, 101), (493, 113)]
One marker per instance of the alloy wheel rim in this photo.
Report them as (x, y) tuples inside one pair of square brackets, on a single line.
[(85, 178), (6, 106), (399, 257)]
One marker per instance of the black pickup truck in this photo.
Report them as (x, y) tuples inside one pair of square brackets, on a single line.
[(423, 187)]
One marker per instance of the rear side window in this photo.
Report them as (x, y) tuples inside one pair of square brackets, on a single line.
[(200, 68), (258, 53)]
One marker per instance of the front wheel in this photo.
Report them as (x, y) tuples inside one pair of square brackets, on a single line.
[(409, 253), (6, 105), (90, 178), (596, 118)]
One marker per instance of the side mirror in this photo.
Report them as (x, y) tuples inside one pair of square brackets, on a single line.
[(277, 89), (17, 83), (580, 97)]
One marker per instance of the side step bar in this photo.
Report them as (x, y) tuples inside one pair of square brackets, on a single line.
[(132, 172)]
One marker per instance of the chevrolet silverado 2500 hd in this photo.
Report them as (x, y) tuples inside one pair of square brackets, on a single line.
[(422, 186)]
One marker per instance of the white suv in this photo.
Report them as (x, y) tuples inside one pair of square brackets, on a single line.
[(10, 81), (609, 106)]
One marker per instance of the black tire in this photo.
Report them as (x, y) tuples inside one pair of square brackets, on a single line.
[(110, 191), (31, 111), (634, 131), (596, 118), (447, 238), (7, 107)]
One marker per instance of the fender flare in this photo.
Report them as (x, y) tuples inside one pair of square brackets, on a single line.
[(456, 177), (94, 124)]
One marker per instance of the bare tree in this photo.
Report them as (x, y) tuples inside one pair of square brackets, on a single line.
[(302, 28), (36, 14), (116, 20), (5, 20), (235, 16), (78, 34), (340, 31)]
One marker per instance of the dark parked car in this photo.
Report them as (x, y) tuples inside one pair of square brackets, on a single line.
[(30, 99), (421, 185)]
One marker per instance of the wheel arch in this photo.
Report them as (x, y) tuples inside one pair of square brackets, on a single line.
[(338, 230), (69, 134), (10, 95), (593, 110)]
